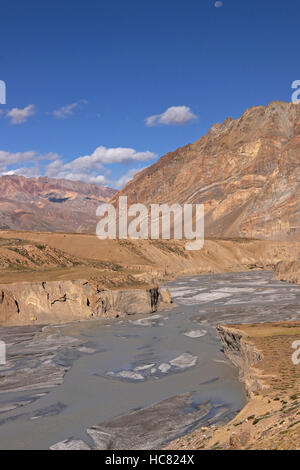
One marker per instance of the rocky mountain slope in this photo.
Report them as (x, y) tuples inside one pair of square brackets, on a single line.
[(46, 204), (245, 171)]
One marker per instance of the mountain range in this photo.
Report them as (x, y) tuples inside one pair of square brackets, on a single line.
[(50, 205), (245, 171)]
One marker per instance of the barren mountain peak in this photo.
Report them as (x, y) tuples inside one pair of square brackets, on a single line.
[(245, 171)]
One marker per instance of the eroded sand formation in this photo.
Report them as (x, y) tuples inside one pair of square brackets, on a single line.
[(63, 301)]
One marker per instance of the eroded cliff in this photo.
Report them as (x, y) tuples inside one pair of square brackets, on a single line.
[(288, 271), (62, 301), (243, 354)]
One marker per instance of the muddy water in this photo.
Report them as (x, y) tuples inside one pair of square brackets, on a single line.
[(118, 374)]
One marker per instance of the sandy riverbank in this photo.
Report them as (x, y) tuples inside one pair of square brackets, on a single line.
[(270, 419)]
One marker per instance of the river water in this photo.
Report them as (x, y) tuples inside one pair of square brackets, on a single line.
[(141, 380)]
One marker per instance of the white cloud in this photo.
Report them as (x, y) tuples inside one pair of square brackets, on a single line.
[(175, 115), (9, 158), (13, 163), (70, 171), (68, 110), (89, 168), (20, 115), (104, 155), (218, 4)]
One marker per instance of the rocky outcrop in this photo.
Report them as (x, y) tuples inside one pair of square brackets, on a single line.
[(243, 355), (288, 271), (62, 301)]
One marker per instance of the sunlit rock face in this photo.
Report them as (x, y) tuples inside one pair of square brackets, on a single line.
[(62, 301), (245, 171), (288, 271)]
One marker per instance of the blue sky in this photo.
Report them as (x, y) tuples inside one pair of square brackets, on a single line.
[(83, 78)]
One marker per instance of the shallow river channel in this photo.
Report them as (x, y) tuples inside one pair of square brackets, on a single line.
[(138, 382)]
